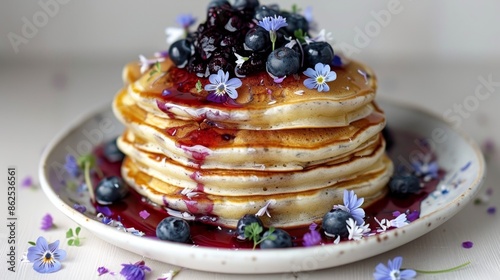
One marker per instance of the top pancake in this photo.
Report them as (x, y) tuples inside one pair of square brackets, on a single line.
[(261, 103)]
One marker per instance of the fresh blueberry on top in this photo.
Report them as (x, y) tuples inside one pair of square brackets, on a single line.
[(281, 239), (295, 22), (404, 184), (334, 222), (317, 52), (266, 11), (180, 52), (257, 39), (110, 189), (218, 3), (111, 151), (282, 62), (173, 229), (246, 220), (246, 4)]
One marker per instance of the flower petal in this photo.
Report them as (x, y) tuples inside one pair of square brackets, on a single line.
[(326, 70), (234, 83), (397, 262), (310, 73), (408, 274), (310, 83), (42, 267), (325, 87), (214, 79), (53, 246), (217, 98), (231, 92), (60, 254), (34, 253), (42, 244), (332, 76), (210, 87), (319, 68)]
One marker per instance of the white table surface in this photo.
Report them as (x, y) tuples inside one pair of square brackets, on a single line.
[(39, 98)]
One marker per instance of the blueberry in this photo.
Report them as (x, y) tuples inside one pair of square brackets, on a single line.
[(173, 229), (266, 11), (111, 151), (257, 39), (389, 138), (295, 22), (218, 3), (282, 62), (334, 222), (281, 239), (110, 189), (317, 52), (404, 184), (246, 220), (246, 4), (180, 52)]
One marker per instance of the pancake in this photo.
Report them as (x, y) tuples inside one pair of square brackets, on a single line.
[(287, 210), (190, 143), (264, 182), (222, 125), (262, 103)]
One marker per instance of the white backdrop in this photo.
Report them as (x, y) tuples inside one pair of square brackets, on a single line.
[(393, 29)]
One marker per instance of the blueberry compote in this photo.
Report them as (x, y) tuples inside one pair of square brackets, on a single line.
[(205, 233)]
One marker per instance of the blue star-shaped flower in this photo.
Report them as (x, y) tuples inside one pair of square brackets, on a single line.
[(319, 76), (352, 205), (272, 23), (393, 271), (221, 87), (136, 271)]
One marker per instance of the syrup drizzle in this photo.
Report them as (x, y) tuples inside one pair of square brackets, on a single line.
[(205, 231)]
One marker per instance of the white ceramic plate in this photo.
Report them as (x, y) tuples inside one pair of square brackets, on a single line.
[(457, 154)]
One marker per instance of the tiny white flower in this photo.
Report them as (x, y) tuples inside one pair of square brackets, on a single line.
[(240, 60), (179, 214), (356, 232), (265, 209)]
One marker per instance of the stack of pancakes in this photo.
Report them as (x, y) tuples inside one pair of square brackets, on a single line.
[(280, 144)]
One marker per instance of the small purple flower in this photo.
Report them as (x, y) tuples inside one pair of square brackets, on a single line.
[(319, 76), (46, 257), (467, 244), (491, 210), (102, 270), (313, 237), (104, 210), (79, 208), (186, 20), (71, 166), (428, 169), (413, 216), (352, 205), (136, 271), (393, 271), (273, 23), (146, 63), (27, 182), (221, 87), (47, 222), (144, 214)]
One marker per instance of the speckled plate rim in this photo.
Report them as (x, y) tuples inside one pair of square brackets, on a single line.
[(265, 261)]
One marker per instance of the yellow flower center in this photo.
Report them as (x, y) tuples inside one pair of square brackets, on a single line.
[(320, 80)]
